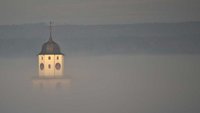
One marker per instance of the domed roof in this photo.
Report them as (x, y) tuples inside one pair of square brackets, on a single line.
[(50, 47)]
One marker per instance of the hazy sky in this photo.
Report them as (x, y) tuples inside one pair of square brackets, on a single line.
[(98, 11)]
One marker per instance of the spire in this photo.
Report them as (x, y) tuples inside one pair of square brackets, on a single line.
[(50, 31)]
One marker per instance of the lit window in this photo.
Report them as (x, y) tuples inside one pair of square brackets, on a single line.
[(49, 66), (49, 58)]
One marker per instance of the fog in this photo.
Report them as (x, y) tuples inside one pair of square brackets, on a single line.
[(104, 84), (139, 68)]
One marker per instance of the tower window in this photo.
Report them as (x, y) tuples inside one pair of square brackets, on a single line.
[(58, 66), (42, 58), (41, 66), (57, 58), (49, 58), (49, 66)]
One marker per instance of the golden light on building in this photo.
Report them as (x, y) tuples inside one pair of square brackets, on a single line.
[(50, 59), (51, 66)]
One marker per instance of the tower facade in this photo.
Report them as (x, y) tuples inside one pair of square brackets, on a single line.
[(50, 59)]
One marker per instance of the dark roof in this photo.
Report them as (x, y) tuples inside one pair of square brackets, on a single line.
[(50, 47)]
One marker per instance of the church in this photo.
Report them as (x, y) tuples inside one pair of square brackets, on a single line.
[(50, 59)]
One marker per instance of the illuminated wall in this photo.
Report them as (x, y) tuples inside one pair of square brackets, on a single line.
[(51, 65)]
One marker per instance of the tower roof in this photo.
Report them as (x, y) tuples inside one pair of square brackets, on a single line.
[(50, 47)]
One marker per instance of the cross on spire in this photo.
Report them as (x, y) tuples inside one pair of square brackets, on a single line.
[(50, 30)]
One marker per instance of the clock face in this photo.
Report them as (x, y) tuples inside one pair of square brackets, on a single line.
[(58, 66), (41, 66)]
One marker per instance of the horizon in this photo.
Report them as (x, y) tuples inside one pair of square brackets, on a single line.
[(56, 24)]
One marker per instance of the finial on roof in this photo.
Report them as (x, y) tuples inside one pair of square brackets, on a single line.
[(50, 31)]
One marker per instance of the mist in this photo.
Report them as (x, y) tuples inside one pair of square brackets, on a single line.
[(140, 68), (110, 83)]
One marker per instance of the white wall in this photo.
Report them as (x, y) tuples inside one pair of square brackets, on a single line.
[(49, 62)]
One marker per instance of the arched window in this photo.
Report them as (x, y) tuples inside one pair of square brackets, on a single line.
[(57, 58), (41, 66), (49, 58), (42, 58), (49, 66)]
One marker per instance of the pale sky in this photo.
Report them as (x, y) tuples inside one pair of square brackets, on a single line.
[(98, 11)]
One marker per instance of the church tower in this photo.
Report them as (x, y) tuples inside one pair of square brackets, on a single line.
[(50, 59)]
